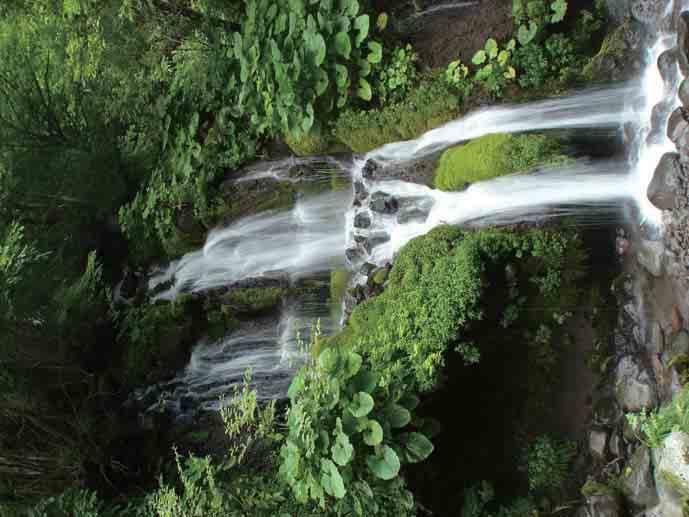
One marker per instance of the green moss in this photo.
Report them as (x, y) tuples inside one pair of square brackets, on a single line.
[(679, 486), (494, 155), (314, 143), (429, 105), (592, 488), (613, 59), (242, 200), (338, 283), (380, 276), (255, 299)]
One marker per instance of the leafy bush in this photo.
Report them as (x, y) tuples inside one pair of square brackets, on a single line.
[(345, 444), (315, 142), (73, 502), (494, 155), (457, 76), (397, 76), (427, 106), (255, 299), (495, 69), (532, 16), (653, 427), (547, 462)]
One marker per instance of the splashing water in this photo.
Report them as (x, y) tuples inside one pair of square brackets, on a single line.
[(307, 239)]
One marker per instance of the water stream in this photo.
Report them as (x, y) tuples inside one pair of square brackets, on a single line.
[(310, 239)]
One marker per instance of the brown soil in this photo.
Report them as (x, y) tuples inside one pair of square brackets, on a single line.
[(459, 33)]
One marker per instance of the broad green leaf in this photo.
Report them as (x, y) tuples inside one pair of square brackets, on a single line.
[(361, 405), (416, 447), (559, 8), (329, 360), (492, 48), (376, 52), (350, 7), (479, 58), (511, 45), (361, 24), (385, 465), (397, 416), (342, 99), (364, 68), (503, 56), (341, 75), (331, 480), (526, 34), (296, 386), (342, 450), (510, 73), (382, 21), (352, 364), (317, 45), (373, 433), (409, 402), (365, 381), (343, 44), (364, 90), (322, 82)]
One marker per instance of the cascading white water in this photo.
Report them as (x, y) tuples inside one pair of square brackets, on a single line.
[(602, 107), (310, 237), (304, 240)]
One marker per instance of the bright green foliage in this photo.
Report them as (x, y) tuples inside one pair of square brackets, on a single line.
[(556, 59), (457, 76), (427, 106), (532, 16), (17, 255), (255, 299), (343, 447), (154, 336), (495, 68), (494, 155), (72, 502), (479, 501), (653, 426), (315, 142), (435, 292), (547, 463), (395, 79)]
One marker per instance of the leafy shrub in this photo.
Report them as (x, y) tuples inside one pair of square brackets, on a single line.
[(494, 155), (532, 16), (547, 462), (653, 427), (427, 106), (397, 76), (255, 299), (457, 76), (345, 444), (315, 142), (495, 69), (73, 502)]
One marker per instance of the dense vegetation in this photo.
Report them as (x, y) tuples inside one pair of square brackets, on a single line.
[(119, 122)]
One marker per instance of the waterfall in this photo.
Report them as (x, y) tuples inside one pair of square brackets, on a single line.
[(312, 237)]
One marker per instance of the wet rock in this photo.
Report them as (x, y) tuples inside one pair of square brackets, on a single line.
[(667, 65), (371, 167), (606, 411), (659, 116), (412, 215), (367, 268), (683, 43), (672, 473), (656, 339), (354, 256), (683, 93), (362, 220), (374, 240), (647, 11), (677, 319), (661, 190), (678, 129), (634, 388), (618, 10), (270, 279), (360, 192), (383, 203), (130, 284), (638, 483), (598, 440), (603, 504), (300, 171), (680, 343), (650, 255), (615, 445)]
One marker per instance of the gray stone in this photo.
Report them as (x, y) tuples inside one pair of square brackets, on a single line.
[(603, 505), (667, 65), (370, 169), (374, 240), (634, 388), (362, 220), (662, 189), (672, 473), (615, 445), (598, 439), (606, 411), (360, 192), (678, 128), (383, 203), (683, 93), (412, 215), (650, 255), (680, 343), (647, 11), (683, 43), (618, 10), (638, 483)]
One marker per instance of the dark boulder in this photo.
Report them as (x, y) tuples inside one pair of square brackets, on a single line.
[(667, 65), (360, 192), (300, 170), (683, 43), (659, 117), (354, 256), (678, 131), (412, 215), (383, 203), (662, 189), (362, 220), (374, 240), (647, 11), (370, 169)]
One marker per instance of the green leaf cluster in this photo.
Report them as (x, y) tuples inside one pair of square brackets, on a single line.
[(532, 16), (495, 68)]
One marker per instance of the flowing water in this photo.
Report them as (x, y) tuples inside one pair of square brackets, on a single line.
[(311, 239)]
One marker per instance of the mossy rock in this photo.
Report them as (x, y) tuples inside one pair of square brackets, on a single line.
[(427, 106), (316, 142), (254, 300), (615, 59), (494, 155), (592, 488), (380, 276)]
